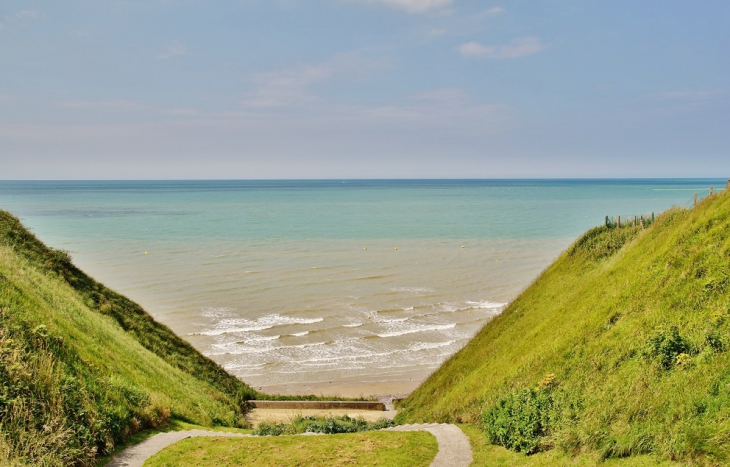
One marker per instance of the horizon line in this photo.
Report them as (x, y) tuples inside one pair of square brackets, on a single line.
[(354, 179)]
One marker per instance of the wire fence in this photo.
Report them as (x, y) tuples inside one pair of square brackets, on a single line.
[(646, 219)]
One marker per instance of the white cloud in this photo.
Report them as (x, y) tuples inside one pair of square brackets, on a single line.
[(292, 87), (494, 11), (8, 98), (27, 15), (80, 32), (440, 108), (516, 48), (287, 87), (175, 49), (687, 95), (444, 96), (126, 106), (109, 105), (670, 104), (416, 6)]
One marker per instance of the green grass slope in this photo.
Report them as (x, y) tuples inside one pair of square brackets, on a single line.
[(82, 368), (620, 348)]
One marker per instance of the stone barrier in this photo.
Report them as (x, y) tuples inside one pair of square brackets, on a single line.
[(318, 405)]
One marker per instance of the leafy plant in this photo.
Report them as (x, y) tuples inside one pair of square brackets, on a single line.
[(319, 424), (520, 420), (666, 345), (602, 242)]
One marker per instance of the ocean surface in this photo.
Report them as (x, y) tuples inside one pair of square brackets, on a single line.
[(298, 283)]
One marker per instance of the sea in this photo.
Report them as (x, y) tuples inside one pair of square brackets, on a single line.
[(295, 284)]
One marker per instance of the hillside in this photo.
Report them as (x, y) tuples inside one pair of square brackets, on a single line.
[(82, 367), (619, 348)]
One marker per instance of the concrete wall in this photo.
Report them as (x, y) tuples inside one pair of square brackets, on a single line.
[(318, 405)]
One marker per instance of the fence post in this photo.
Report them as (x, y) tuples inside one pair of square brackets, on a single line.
[(710, 191), (606, 221), (695, 199), (619, 222), (652, 217)]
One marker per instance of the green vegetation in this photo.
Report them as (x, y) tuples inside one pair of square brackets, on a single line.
[(633, 325), (394, 449), (319, 424), (82, 368), (312, 397), (487, 454)]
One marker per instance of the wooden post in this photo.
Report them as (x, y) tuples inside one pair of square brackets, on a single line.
[(642, 222), (619, 222), (606, 221), (695, 199), (634, 221), (652, 217), (710, 191)]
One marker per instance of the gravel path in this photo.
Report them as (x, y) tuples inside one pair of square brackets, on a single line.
[(134, 456), (454, 448)]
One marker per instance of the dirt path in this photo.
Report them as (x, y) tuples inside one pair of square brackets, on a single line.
[(454, 448)]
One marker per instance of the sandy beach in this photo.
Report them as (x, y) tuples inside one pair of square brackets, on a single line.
[(351, 388)]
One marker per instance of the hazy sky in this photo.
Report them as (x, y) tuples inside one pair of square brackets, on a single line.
[(364, 89)]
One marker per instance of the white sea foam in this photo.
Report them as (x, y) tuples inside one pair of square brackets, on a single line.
[(471, 305), (243, 366), (299, 334), (392, 320), (411, 289), (437, 327), (430, 345), (217, 311), (241, 325), (262, 338), (352, 325), (487, 304)]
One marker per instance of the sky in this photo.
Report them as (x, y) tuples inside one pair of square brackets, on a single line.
[(299, 89)]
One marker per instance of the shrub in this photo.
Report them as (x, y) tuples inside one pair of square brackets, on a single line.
[(665, 345), (713, 340), (521, 420), (319, 424), (602, 242)]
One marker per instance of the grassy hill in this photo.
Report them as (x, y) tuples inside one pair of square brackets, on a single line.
[(82, 368), (620, 348)]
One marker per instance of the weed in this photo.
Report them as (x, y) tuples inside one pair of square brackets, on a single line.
[(520, 420), (665, 347), (319, 424)]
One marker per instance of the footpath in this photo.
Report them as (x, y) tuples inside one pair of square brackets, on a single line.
[(454, 449)]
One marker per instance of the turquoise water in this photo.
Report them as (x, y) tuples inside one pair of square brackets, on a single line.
[(295, 284)]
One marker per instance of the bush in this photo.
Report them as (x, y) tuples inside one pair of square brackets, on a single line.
[(520, 420), (319, 424), (602, 242), (665, 345)]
